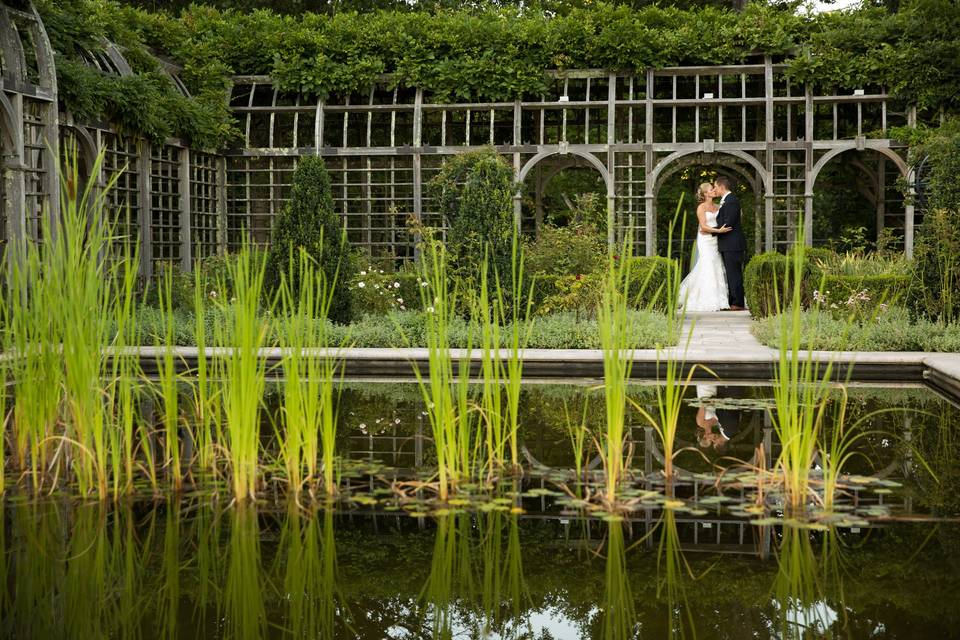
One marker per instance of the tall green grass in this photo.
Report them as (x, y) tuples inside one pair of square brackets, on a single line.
[(518, 310), (241, 338), (168, 391), (311, 383), (63, 288), (801, 393), (206, 405), (446, 407), (613, 320)]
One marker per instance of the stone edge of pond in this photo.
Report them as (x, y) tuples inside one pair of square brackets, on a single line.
[(745, 363)]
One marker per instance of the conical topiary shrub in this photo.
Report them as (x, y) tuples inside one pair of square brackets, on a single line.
[(308, 221)]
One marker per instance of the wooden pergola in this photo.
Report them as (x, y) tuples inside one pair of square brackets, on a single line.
[(383, 145), (635, 130)]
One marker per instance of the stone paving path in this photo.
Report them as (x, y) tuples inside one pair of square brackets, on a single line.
[(723, 331)]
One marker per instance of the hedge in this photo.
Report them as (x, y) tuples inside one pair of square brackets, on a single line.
[(765, 283), (581, 293)]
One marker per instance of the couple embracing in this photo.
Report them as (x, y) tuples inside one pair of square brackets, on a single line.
[(715, 281)]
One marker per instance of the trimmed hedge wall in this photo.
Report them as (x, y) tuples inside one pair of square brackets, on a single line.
[(765, 275)]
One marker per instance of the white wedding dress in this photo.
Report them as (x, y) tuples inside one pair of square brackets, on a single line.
[(705, 288)]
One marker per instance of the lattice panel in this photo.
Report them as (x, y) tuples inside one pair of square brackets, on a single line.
[(629, 177), (204, 223), (122, 202), (257, 190), (165, 203), (788, 187), (35, 169), (374, 196)]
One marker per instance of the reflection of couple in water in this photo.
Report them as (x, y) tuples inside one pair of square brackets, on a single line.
[(716, 425)]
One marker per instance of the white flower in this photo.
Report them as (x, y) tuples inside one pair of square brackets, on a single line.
[(429, 309), (363, 273), (423, 283), (397, 421), (378, 421), (884, 443), (361, 284), (402, 308), (363, 425), (213, 294), (381, 270), (396, 285), (376, 286), (400, 300)]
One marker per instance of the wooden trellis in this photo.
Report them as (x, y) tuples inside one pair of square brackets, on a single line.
[(383, 145)]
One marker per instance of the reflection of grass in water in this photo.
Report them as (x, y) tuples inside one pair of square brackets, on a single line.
[(243, 603), (619, 613), (501, 571), (310, 577), (805, 581), (672, 571), (170, 571), (450, 573)]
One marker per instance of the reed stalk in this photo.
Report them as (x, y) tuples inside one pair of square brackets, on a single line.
[(617, 347), (168, 384), (520, 320), (489, 311), (312, 386), (122, 388), (241, 338), (206, 413), (438, 389), (77, 257), (801, 394)]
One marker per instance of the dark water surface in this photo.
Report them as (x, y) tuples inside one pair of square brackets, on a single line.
[(523, 565)]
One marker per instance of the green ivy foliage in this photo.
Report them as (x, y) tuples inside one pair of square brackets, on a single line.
[(499, 53), (146, 103)]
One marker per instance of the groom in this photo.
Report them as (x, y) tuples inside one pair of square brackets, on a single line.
[(732, 245)]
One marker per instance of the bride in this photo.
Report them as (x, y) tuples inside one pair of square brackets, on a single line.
[(705, 288)]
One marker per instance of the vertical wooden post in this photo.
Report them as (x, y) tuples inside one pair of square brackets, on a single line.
[(611, 156), (649, 196), (146, 208), (221, 205), (186, 223), (881, 194)]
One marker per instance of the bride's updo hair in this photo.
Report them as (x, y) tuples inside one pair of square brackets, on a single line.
[(702, 192)]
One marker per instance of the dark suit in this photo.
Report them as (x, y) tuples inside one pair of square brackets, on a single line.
[(733, 248), (728, 420)]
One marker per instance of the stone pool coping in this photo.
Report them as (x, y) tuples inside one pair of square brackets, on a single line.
[(747, 363)]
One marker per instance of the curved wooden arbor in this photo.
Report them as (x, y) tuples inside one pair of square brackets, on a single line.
[(635, 130)]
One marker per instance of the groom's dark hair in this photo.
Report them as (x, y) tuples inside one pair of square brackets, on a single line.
[(724, 181)]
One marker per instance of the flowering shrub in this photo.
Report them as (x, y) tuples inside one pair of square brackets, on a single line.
[(859, 296), (378, 290)]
